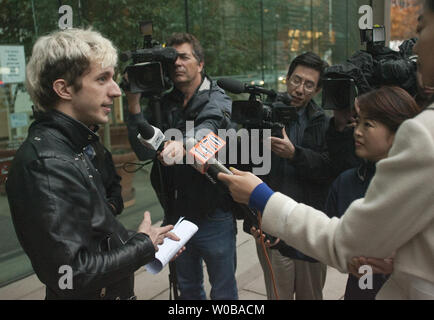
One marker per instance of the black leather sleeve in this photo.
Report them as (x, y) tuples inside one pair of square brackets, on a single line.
[(113, 185), (58, 222), (139, 149)]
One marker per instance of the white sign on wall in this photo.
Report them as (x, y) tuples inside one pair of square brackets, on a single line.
[(19, 119), (12, 64)]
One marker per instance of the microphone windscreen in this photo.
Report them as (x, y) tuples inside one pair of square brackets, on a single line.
[(169, 54), (146, 131), (125, 56), (231, 85)]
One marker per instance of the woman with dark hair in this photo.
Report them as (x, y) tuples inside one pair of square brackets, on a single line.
[(380, 113), (396, 214)]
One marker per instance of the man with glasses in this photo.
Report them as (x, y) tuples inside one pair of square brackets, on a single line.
[(300, 168)]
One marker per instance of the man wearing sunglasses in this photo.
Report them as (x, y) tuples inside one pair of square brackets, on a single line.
[(299, 168)]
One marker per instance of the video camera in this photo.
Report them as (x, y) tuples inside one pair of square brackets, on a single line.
[(339, 93), (273, 114), (149, 73), (370, 69)]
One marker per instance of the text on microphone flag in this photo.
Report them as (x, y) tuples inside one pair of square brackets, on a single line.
[(207, 148)]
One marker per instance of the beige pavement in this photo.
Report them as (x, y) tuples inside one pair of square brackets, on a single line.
[(149, 287)]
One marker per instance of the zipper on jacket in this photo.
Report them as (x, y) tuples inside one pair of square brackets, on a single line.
[(103, 292)]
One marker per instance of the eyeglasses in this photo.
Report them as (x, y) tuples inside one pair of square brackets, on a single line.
[(308, 85)]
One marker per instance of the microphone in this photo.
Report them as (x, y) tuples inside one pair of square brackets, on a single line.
[(151, 136), (231, 85), (237, 87), (203, 153), (205, 162)]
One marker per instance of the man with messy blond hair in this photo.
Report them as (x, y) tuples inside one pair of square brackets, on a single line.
[(57, 199), (68, 54)]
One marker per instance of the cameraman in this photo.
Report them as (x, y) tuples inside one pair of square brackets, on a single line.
[(195, 97), (299, 168)]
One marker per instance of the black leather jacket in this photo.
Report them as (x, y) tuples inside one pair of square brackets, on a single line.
[(102, 160), (62, 217)]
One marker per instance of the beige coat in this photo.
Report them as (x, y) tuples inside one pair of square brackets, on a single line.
[(397, 214)]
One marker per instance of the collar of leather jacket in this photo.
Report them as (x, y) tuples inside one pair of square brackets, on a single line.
[(76, 132)]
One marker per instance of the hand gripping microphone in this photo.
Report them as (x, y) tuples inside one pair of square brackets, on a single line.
[(151, 136), (205, 162), (203, 153)]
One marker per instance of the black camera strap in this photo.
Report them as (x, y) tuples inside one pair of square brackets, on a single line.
[(173, 281)]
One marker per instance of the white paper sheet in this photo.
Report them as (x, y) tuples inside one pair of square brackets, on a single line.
[(184, 229)]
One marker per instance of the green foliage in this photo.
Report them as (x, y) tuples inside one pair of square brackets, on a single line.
[(229, 30), (17, 24)]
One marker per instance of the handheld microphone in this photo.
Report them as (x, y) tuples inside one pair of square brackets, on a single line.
[(151, 136), (203, 152), (238, 87)]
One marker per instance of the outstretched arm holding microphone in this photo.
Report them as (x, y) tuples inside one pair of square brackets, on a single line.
[(397, 213), (241, 184), (389, 218)]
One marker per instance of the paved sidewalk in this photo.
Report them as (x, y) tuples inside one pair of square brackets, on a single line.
[(149, 287)]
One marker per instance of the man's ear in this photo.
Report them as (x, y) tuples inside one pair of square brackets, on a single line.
[(201, 65), (318, 90), (62, 89)]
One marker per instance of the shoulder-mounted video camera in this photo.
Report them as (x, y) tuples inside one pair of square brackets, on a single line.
[(338, 93), (274, 113), (149, 72), (370, 69)]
